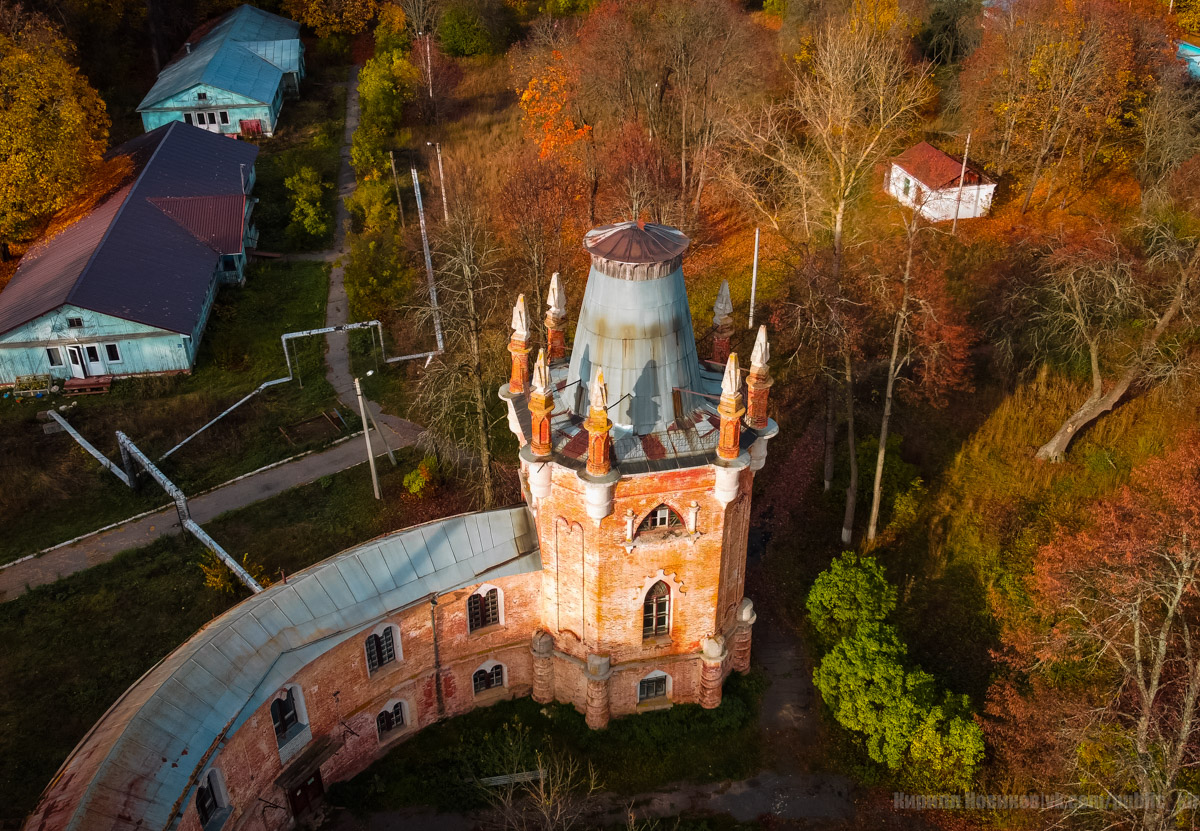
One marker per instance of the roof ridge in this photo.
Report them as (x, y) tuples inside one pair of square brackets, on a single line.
[(117, 216)]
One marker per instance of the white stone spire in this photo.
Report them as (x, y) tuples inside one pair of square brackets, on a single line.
[(556, 298), (541, 375), (732, 381), (598, 395), (762, 350), (723, 308), (520, 325)]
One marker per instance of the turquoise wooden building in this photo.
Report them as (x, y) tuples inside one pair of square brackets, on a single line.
[(127, 288), (231, 76)]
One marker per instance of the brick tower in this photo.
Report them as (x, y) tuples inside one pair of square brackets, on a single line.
[(637, 459)]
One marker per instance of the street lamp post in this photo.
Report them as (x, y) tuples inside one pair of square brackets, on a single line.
[(441, 178), (362, 409)]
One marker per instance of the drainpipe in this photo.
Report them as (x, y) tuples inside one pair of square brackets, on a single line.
[(437, 661)]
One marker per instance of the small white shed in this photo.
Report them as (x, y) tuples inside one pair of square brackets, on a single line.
[(926, 179)]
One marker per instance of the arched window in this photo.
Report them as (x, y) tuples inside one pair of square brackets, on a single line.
[(284, 715), (381, 649), (660, 519), (390, 719), (655, 685), (488, 678), (656, 611), (483, 609), (211, 801)]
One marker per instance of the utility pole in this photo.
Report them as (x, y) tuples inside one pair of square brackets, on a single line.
[(362, 408), (961, 178), (753, 281), (396, 182), (437, 315), (428, 64), (441, 178)]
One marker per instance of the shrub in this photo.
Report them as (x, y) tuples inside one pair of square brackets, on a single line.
[(385, 84), (852, 592), (420, 479), (310, 218), (463, 32)]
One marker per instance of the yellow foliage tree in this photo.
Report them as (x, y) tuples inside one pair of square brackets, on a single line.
[(547, 104), (53, 126), (332, 17)]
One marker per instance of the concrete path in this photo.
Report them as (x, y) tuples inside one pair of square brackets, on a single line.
[(16, 579)]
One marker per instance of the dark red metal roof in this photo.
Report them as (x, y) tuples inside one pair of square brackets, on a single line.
[(935, 169), (636, 242), (148, 252)]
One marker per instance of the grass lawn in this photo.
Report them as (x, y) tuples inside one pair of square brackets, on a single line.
[(51, 490), (72, 647), (437, 766)]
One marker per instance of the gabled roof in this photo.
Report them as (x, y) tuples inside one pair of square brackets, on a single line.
[(935, 169), (147, 252), (136, 765), (245, 52)]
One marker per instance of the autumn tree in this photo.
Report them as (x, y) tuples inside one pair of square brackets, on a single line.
[(1055, 90), (804, 164), (332, 17), (1124, 598), (53, 125), (1093, 300), (454, 391)]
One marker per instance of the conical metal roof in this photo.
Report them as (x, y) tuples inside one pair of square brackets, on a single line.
[(635, 325)]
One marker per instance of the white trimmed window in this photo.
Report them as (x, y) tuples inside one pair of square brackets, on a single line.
[(113, 353), (54, 356), (288, 714), (655, 686), (382, 647), (488, 677), (212, 800), (661, 518), (390, 719), (485, 607), (656, 611)]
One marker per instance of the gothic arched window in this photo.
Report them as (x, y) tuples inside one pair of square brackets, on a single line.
[(483, 610), (381, 649), (656, 611), (660, 519)]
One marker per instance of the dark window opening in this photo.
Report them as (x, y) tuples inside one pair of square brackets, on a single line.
[(112, 353), (203, 96), (483, 610), (381, 649), (187, 118), (93, 354), (650, 688), (284, 715), (75, 322), (660, 518), (209, 800), (486, 679), (224, 117), (390, 719), (656, 611), (54, 356)]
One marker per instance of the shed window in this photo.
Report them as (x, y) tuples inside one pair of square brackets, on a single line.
[(74, 322), (483, 610), (93, 354), (486, 679), (656, 611), (54, 355), (212, 118), (389, 720), (187, 118), (660, 518), (283, 714), (112, 353), (224, 117), (650, 688), (203, 96), (381, 649)]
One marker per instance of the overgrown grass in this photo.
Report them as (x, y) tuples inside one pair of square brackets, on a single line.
[(51, 490), (72, 647), (438, 765)]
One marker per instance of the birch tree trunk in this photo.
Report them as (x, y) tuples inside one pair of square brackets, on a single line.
[(852, 488)]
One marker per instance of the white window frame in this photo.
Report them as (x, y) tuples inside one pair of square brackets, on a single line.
[(488, 667), (223, 115), (108, 356), (53, 352), (404, 727), (482, 592), (71, 325), (397, 647), (215, 781)]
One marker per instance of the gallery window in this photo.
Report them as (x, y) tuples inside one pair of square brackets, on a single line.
[(390, 718), (487, 679), (284, 716), (483, 609), (653, 687), (212, 801), (381, 649)]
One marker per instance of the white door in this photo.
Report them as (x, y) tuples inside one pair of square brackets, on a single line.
[(93, 360), (210, 119), (75, 359)]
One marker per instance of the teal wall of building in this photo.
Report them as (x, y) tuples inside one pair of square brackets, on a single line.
[(216, 101)]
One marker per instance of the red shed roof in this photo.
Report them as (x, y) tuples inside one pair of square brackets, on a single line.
[(935, 169)]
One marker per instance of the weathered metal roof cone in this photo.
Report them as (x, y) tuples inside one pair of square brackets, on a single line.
[(635, 325)]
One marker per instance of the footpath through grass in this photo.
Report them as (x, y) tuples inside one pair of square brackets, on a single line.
[(73, 647), (52, 491), (438, 766)]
